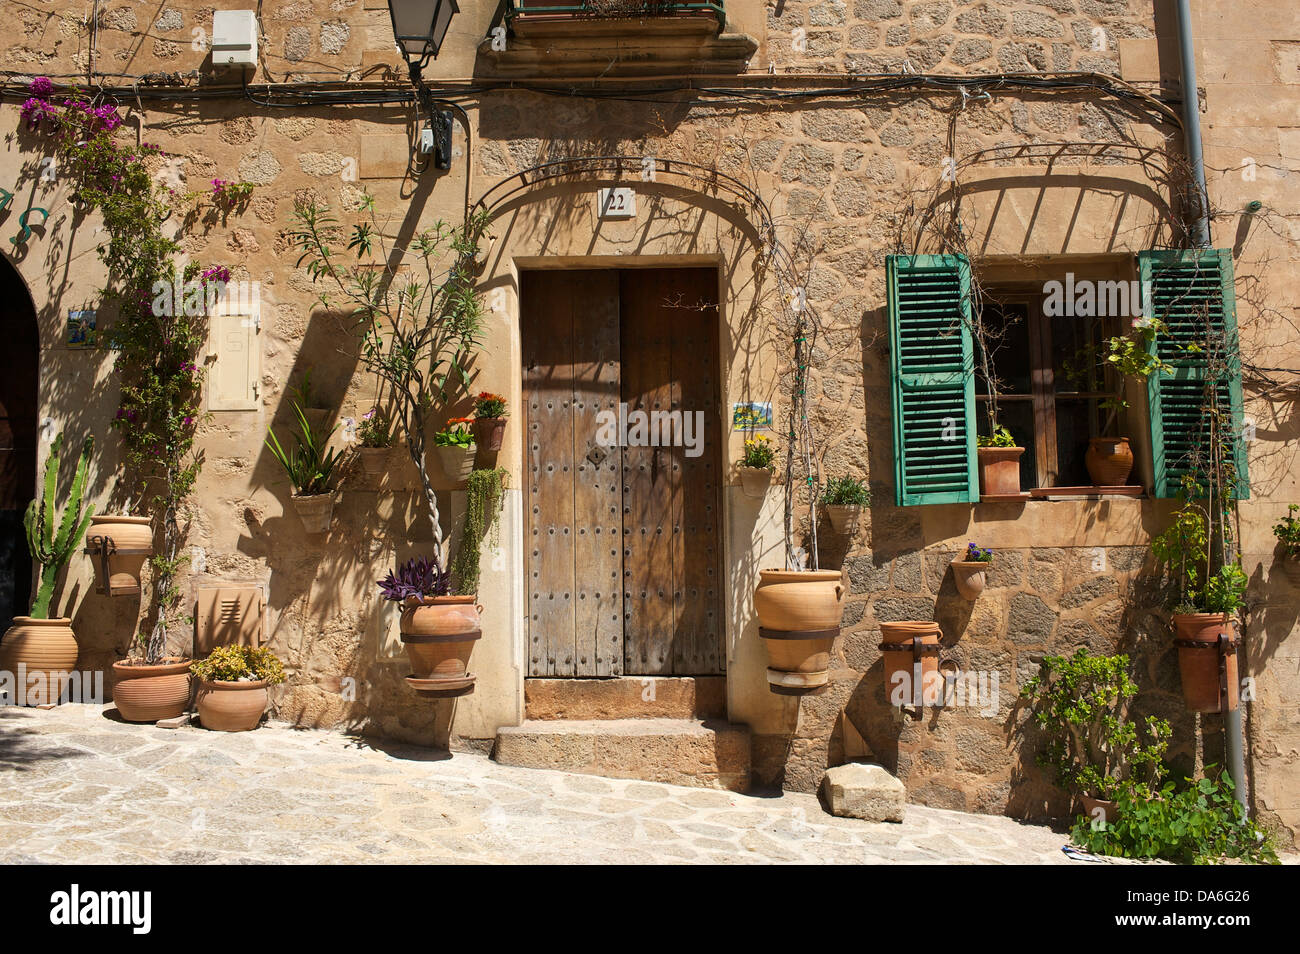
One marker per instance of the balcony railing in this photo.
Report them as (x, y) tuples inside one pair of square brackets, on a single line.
[(534, 10)]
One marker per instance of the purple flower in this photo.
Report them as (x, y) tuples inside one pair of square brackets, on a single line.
[(41, 86), (416, 578)]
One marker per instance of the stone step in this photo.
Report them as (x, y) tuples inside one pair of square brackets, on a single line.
[(627, 697), (700, 753)]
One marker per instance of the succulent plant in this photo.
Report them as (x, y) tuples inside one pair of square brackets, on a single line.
[(418, 577)]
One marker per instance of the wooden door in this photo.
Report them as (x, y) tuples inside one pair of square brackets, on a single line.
[(18, 384), (624, 561)]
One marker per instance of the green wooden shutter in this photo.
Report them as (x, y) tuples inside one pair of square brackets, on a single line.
[(1192, 293), (934, 387)]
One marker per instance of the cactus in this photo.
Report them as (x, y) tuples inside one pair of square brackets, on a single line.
[(50, 549)]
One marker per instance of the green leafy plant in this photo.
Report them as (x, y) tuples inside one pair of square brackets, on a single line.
[(52, 547), (239, 664), (414, 311), (759, 453), (375, 429), (1203, 823), (489, 406), (1001, 437), (310, 463), (455, 434), (846, 491), (1183, 550), (484, 497), (976, 554), (1081, 703), (1288, 531)]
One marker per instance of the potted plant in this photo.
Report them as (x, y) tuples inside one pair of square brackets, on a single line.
[(1081, 704), (454, 445), (844, 497), (438, 629), (999, 464), (1287, 531), (756, 465), (970, 573), (40, 650), (1209, 593), (484, 498), (489, 420), (310, 468), (374, 438), (232, 692)]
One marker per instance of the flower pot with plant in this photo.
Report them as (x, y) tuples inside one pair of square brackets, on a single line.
[(40, 650), (970, 573), (756, 465), (1209, 592), (438, 629), (232, 692), (1081, 705), (489, 420), (455, 448), (999, 464), (309, 466), (374, 441), (1287, 531), (484, 497), (844, 497)]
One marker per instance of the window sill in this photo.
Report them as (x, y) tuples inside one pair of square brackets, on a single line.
[(1086, 493)]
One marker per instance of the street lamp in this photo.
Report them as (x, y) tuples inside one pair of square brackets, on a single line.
[(419, 27)]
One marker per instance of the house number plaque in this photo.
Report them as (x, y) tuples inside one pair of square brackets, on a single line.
[(616, 203)]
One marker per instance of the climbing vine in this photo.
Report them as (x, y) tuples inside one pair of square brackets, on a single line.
[(156, 335)]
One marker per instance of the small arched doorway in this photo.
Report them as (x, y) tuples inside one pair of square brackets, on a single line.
[(19, 377)]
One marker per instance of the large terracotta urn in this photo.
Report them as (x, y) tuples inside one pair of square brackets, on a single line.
[(39, 655), (148, 693), (439, 633), (231, 706), (118, 546), (799, 613), (1197, 636), (999, 470)]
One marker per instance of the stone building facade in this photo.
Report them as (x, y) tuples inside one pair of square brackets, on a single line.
[(1049, 144)]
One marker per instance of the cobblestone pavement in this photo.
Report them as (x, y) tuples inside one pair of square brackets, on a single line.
[(77, 786)]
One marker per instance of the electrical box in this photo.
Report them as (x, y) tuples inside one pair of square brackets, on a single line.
[(234, 38), (229, 616), (235, 363)]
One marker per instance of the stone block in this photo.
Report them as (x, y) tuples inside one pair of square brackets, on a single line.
[(859, 790)]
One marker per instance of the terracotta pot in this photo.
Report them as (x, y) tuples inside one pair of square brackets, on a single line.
[(901, 684), (149, 693), (373, 460), (1199, 667), (41, 654), (314, 511), (755, 481), (439, 634), (489, 432), (799, 600), (1109, 461), (844, 517), (970, 577), (799, 613), (231, 706), (999, 469), (456, 462), (1099, 809), (129, 541)]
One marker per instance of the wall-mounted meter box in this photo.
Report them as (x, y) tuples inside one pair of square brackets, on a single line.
[(234, 38)]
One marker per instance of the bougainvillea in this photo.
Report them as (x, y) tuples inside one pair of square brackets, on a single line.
[(156, 349)]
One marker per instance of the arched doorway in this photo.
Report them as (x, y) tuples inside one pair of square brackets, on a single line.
[(19, 376)]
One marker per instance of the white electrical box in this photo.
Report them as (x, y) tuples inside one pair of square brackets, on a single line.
[(234, 38)]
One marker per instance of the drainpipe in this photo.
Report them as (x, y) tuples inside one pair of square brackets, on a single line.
[(1200, 234), (1200, 226)]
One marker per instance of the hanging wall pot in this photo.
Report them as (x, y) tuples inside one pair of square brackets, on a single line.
[(799, 613), (119, 545), (910, 650), (439, 633), (1207, 661)]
